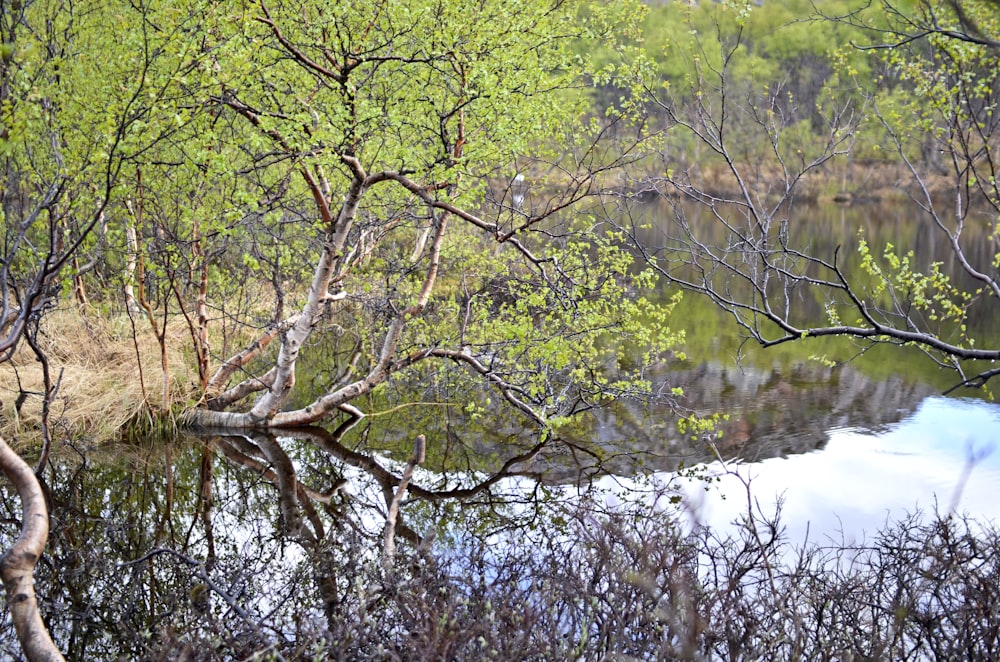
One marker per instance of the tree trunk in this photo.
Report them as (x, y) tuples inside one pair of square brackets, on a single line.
[(18, 563), (284, 378)]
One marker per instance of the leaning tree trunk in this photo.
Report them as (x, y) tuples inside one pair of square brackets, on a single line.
[(281, 379), (18, 563)]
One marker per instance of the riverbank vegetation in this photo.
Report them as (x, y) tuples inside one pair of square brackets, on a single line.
[(109, 379), (378, 197), (255, 218), (924, 98), (252, 217)]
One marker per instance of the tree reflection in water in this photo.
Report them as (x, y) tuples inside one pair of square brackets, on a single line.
[(256, 547)]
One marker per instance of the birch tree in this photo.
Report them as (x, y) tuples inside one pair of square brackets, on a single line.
[(428, 156), (62, 154)]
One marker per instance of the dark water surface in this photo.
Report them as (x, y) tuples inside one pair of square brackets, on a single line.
[(847, 445)]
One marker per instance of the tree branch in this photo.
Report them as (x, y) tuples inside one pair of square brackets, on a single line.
[(18, 563)]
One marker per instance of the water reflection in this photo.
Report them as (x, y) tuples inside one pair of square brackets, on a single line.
[(851, 434), (233, 545), (773, 411), (266, 525), (272, 530), (939, 458), (832, 232)]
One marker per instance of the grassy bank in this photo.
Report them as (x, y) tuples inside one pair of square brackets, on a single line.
[(839, 181), (107, 374)]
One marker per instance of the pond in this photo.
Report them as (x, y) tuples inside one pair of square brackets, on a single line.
[(845, 436), (941, 458), (228, 547)]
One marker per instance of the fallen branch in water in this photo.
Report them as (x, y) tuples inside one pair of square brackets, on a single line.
[(18, 563)]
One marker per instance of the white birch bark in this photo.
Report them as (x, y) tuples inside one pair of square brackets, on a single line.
[(18, 564), (284, 379)]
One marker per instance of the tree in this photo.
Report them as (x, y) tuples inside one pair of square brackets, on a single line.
[(62, 153), (425, 155), (425, 168), (935, 80)]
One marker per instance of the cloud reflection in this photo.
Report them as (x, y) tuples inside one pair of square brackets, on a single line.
[(861, 479)]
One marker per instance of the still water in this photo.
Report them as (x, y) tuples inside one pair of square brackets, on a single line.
[(939, 458), (849, 447), (273, 526), (846, 435)]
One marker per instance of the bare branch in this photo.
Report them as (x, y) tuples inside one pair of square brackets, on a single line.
[(18, 563)]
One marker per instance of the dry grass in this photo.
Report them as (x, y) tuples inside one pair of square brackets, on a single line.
[(836, 181), (102, 387)]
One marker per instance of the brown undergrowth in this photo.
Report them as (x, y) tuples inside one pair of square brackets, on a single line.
[(109, 378), (857, 181), (840, 181)]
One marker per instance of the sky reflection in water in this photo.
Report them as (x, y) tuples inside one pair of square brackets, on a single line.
[(861, 478)]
